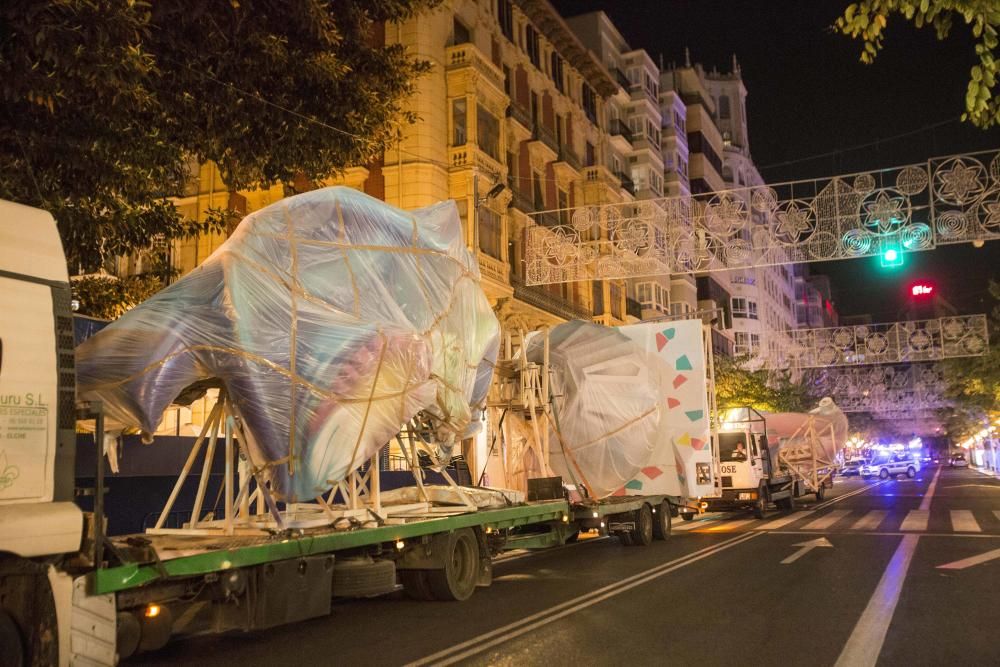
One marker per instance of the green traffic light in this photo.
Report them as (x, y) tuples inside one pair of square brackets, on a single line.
[(891, 255)]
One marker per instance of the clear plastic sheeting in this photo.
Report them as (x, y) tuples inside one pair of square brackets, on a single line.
[(329, 319), (828, 432), (605, 405)]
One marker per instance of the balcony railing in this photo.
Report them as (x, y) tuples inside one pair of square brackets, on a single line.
[(546, 136), (520, 114), (521, 201), (567, 155), (467, 55), (627, 183), (621, 78), (547, 301), (548, 219), (494, 269), (620, 128)]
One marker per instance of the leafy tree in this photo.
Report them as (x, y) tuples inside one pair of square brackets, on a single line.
[(108, 297), (106, 104), (867, 21), (770, 391)]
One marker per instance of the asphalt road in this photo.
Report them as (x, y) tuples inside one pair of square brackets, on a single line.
[(862, 584)]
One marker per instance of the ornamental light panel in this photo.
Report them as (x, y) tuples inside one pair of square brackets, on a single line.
[(885, 213)]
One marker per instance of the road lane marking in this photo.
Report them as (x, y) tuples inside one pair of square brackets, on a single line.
[(826, 520), (971, 560), (925, 504), (784, 521), (865, 643), (503, 634), (871, 520), (864, 489), (916, 520), (806, 547), (996, 513), (962, 521)]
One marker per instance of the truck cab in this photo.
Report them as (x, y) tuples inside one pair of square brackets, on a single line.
[(744, 470)]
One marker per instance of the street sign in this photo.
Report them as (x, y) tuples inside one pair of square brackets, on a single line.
[(806, 547), (971, 560)]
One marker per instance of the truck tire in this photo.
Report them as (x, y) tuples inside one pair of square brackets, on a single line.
[(11, 643), (642, 534), (662, 521), (687, 516), (760, 507), (363, 577), (883, 473), (415, 584), (457, 579), (911, 472), (820, 493)]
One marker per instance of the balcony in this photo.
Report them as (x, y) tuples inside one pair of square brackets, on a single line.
[(618, 128), (521, 201), (627, 183), (464, 56), (547, 219), (520, 114), (546, 136), (569, 156), (551, 303), (493, 269), (470, 155)]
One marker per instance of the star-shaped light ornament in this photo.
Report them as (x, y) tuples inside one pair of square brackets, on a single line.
[(885, 213), (992, 217), (793, 222), (961, 183)]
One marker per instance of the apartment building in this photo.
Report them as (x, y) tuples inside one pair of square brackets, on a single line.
[(813, 300), (515, 99)]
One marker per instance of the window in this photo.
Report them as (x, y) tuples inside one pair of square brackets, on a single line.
[(460, 32), (506, 81), (563, 205), (652, 296), (458, 120), (489, 231), (589, 99), (536, 181), (532, 47), (488, 133), (743, 307), (590, 155), (505, 17), (557, 71), (723, 107)]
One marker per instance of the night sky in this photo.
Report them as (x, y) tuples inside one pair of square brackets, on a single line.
[(815, 110)]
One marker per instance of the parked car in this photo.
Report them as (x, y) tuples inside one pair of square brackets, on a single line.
[(898, 464), (959, 461), (852, 467)]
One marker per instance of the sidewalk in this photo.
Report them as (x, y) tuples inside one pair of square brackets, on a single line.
[(989, 473)]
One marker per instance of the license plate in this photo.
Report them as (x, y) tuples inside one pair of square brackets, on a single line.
[(748, 495)]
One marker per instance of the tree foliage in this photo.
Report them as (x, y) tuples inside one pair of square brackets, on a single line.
[(867, 21), (769, 391), (108, 297), (106, 104), (973, 383)]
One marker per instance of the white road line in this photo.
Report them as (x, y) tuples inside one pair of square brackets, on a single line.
[(826, 520), (729, 525), (865, 643), (871, 520), (925, 504), (916, 520), (996, 513), (864, 489), (503, 634), (784, 521), (970, 561), (962, 521)]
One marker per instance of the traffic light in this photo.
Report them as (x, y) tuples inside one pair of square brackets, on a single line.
[(891, 252)]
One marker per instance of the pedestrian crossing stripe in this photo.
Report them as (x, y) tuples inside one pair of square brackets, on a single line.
[(917, 521)]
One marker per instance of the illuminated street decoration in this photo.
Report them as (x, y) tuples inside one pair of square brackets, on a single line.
[(883, 388), (892, 342), (890, 212)]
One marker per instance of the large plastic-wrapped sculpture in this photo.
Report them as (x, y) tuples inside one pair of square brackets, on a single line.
[(605, 403), (824, 428), (329, 318)]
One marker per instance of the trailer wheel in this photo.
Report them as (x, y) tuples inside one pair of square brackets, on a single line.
[(415, 584), (642, 534), (363, 577), (687, 516), (457, 579), (820, 493), (661, 523), (11, 644), (785, 504)]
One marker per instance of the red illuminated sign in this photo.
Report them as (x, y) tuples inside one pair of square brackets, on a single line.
[(921, 290)]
